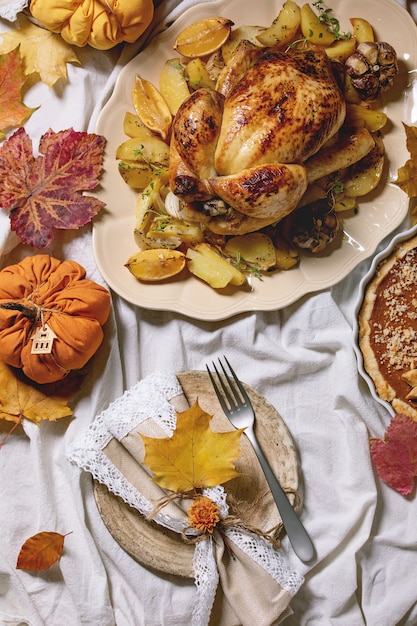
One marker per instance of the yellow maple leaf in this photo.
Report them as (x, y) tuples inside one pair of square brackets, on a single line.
[(42, 51), (13, 112), (407, 174), (194, 457), (19, 400)]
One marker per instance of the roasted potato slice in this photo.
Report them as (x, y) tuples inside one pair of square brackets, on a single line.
[(364, 176), (149, 204), (205, 263), (349, 91), (341, 49), (137, 174), (256, 249), (362, 30), (284, 28), (134, 127), (347, 149), (173, 84), (286, 257), (361, 116), (343, 202), (144, 149), (197, 75), (166, 227), (242, 33), (313, 29)]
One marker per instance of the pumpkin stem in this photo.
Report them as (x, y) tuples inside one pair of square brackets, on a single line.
[(29, 311)]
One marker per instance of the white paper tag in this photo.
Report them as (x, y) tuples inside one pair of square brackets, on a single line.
[(42, 340)]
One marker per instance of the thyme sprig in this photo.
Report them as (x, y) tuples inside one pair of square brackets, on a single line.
[(332, 23)]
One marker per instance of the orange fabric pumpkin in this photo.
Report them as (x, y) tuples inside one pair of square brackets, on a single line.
[(39, 291), (100, 23)]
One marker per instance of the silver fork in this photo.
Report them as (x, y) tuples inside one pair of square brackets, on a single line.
[(237, 407)]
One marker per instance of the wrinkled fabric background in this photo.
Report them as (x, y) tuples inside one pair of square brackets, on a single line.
[(301, 359)]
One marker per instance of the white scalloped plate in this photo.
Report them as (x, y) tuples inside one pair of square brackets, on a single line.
[(407, 234), (378, 216)]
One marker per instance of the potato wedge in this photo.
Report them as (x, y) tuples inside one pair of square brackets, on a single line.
[(156, 265), (362, 30), (134, 127), (241, 33), (145, 243), (346, 150), (284, 28), (364, 176), (144, 149), (286, 257), (349, 91), (149, 204), (197, 75), (344, 203), (137, 174), (205, 263), (165, 227), (341, 49), (256, 249), (151, 107), (314, 30), (203, 37), (360, 116), (173, 84)]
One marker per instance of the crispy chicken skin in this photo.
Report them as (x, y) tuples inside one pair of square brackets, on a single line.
[(283, 110), (247, 141)]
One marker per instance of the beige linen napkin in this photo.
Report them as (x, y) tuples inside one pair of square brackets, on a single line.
[(252, 584), (128, 454), (265, 602)]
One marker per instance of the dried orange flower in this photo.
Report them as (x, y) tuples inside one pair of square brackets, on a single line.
[(203, 514)]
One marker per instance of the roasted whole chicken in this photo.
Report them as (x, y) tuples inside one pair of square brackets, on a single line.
[(246, 145)]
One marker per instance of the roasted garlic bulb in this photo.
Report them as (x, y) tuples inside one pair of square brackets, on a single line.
[(372, 68), (312, 227)]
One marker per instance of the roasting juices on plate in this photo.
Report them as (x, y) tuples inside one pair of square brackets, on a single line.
[(254, 143)]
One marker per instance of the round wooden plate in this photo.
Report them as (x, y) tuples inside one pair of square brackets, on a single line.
[(165, 551)]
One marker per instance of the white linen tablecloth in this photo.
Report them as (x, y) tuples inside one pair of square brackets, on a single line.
[(301, 359)]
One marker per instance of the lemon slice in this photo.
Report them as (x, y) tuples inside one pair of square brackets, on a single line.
[(155, 265), (203, 37), (151, 107)]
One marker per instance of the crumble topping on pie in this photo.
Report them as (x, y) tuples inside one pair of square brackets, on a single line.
[(388, 329)]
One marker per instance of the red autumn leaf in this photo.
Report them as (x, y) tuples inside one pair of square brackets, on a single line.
[(40, 551), (395, 456), (46, 192), (13, 112)]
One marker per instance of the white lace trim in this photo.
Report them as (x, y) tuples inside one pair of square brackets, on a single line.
[(9, 10), (124, 414), (206, 579), (148, 398), (267, 557), (138, 403)]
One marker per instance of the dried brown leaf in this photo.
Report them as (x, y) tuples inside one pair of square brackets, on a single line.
[(40, 551)]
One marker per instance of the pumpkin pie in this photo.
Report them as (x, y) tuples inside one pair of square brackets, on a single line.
[(388, 328)]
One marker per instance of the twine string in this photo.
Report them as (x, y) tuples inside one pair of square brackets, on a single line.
[(233, 519), (35, 312)]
